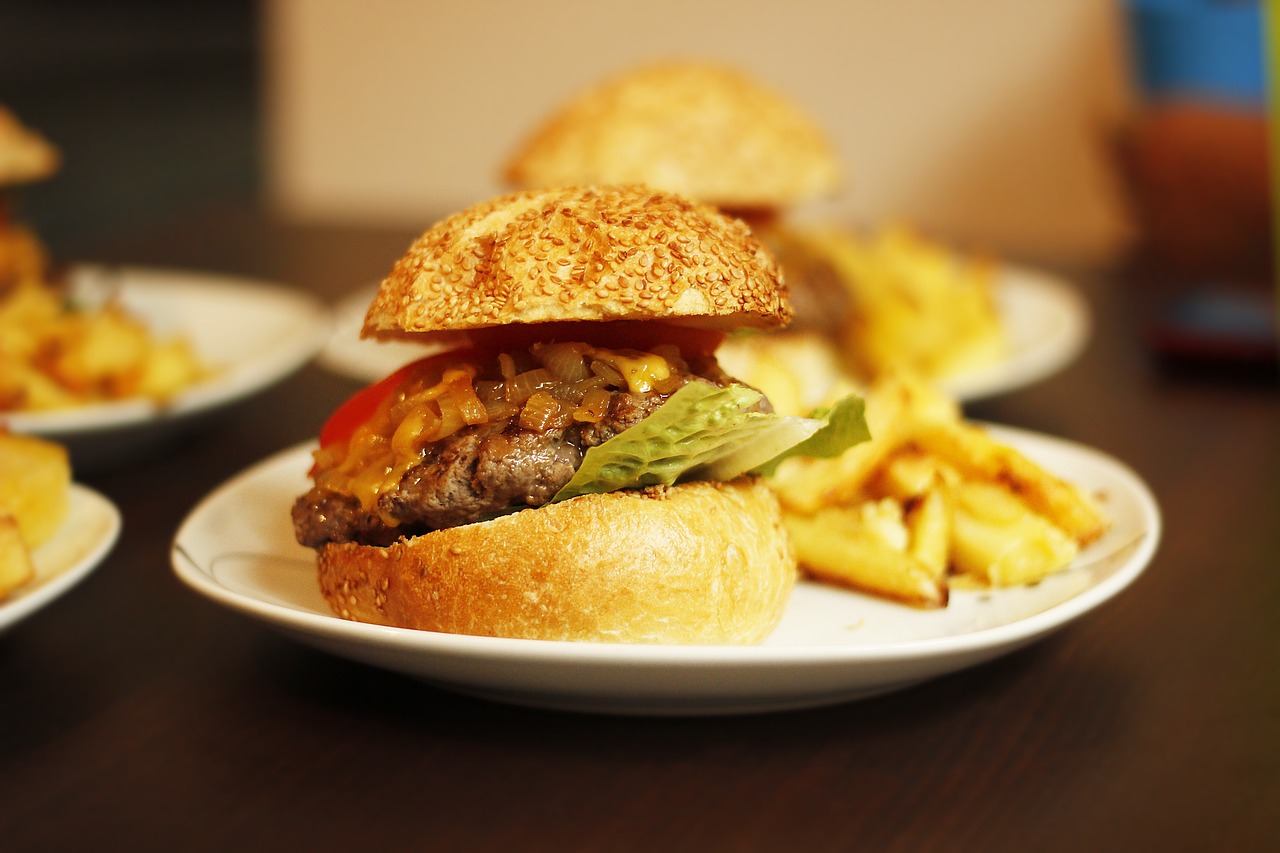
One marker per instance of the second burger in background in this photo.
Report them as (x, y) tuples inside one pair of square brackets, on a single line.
[(713, 134), (879, 300), (578, 467)]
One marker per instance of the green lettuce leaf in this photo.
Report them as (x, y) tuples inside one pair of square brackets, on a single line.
[(707, 433)]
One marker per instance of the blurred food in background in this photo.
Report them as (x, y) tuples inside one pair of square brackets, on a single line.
[(25, 155), (58, 351), (35, 483), (912, 304), (705, 131), (882, 298), (701, 130)]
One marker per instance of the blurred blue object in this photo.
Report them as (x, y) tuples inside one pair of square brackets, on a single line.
[(1209, 48)]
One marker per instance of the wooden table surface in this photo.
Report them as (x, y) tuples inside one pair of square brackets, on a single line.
[(135, 712)]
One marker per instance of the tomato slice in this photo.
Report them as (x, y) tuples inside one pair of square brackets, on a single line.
[(487, 343), (360, 406)]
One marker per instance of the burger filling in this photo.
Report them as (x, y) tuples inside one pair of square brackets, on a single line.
[(457, 440)]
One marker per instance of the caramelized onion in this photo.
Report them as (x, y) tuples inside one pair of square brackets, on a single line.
[(543, 412), (451, 419), (608, 373), (567, 361), (667, 384), (594, 406), (520, 387), (506, 365), (501, 410), (463, 396), (419, 427)]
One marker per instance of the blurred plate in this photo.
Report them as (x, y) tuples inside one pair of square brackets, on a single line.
[(1045, 318), (253, 334), (86, 536), (347, 354), (1047, 323), (832, 646)]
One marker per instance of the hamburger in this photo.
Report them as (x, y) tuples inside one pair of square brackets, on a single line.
[(572, 464), (714, 134), (705, 131)]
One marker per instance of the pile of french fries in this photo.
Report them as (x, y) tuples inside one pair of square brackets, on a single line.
[(915, 304), (55, 354), (930, 503), (35, 482)]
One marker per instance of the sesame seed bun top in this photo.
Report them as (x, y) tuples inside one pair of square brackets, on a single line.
[(24, 154), (576, 254), (703, 131)]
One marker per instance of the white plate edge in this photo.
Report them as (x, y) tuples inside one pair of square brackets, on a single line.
[(1021, 631), (24, 604), (248, 377)]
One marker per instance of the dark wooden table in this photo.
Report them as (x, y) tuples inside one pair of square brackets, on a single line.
[(137, 714)]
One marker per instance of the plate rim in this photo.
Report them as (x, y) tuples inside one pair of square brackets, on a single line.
[(569, 653), (1023, 370), (27, 603), (246, 379)]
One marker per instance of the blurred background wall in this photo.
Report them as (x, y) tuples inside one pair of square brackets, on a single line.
[(154, 105), (990, 122)]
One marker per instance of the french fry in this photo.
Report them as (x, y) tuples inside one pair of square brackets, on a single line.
[(998, 542), (35, 479), (100, 354), (171, 368), (840, 546), (930, 502), (929, 528), (975, 455), (54, 356), (15, 560), (894, 408), (909, 474), (916, 303)]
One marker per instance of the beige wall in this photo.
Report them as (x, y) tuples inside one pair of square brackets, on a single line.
[(985, 121)]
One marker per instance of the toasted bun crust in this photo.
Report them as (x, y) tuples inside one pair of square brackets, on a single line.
[(697, 563), (699, 130), (24, 154), (581, 254)]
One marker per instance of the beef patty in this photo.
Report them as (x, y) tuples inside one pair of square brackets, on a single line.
[(473, 474)]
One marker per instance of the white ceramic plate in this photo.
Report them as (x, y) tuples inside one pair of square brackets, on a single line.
[(1046, 320), (1047, 323), (86, 536), (252, 333), (832, 645), (347, 354)]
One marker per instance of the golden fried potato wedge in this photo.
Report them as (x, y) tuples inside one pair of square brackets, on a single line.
[(896, 408), (997, 541), (35, 481), (915, 303), (929, 528), (835, 546), (976, 456)]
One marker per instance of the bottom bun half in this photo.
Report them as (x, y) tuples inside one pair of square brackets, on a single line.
[(700, 562)]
